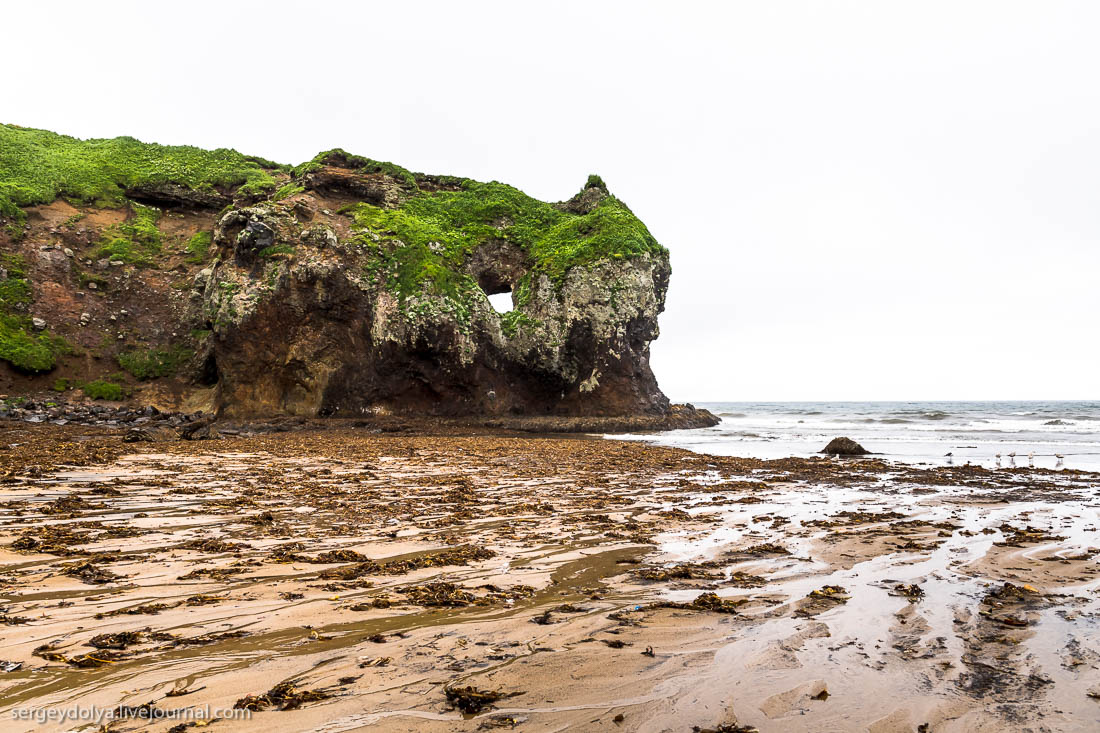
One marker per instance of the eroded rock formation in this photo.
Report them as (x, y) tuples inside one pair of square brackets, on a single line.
[(325, 327), (342, 287)]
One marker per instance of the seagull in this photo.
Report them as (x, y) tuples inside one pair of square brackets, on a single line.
[(1012, 458), (949, 457), (998, 460), (1031, 460), (1059, 456)]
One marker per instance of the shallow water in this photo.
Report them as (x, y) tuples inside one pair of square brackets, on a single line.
[(913, 432), (858, 658)]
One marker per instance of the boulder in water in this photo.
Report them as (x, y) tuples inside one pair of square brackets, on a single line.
[(844, 447)]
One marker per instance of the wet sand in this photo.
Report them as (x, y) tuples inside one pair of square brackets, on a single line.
[(345, 580)]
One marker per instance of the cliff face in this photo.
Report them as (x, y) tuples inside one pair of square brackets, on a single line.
[(341, 287), (319, 312)]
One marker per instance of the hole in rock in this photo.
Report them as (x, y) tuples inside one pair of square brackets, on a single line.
[(501, 302)]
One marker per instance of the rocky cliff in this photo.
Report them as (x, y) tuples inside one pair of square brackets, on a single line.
[(340, 287)]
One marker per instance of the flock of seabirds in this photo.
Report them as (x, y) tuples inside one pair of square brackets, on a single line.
[(950, 456)]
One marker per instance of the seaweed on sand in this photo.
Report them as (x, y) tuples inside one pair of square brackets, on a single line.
[(439, 594), (283, 696), (118, 640), (912, 591), (52, 539), (214, 545), (765, 548), (684, 571), (1018, 537), (706, 602), (94, 659), (1011, 604), (89, 573), (147, 609), (821, 600), (471, 701), (454, 556)]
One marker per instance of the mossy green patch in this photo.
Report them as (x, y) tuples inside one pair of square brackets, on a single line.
[(13, 264), (155, 362), (595, 181), (25, 350), (101, 389), (436, 231), (136, 241), (73, 220), (420, 246), (14, 292), (276, 250), (20, 345), (258, 186), (514, 321), (345, 159), (198, 246), (37, 166), (290, 189), (85, 278)]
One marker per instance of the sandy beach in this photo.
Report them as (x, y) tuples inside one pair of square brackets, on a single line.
[(340, 580)]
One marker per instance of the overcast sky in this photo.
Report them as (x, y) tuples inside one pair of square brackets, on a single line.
[(863, 200)]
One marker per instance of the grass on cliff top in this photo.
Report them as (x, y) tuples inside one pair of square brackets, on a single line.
[(345, 159), (37, 166), (439, 229)]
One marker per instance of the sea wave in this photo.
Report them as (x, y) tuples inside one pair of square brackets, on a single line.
[(935, 415), (923, 414)]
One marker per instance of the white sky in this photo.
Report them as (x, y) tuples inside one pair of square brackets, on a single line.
[(872, 200)]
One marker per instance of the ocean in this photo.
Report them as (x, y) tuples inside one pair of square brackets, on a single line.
[(911, 432)]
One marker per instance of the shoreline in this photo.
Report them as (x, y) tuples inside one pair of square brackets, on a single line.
[(378, 571), (38, 409)]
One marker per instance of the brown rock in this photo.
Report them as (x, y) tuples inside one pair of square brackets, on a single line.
[(844, 447)]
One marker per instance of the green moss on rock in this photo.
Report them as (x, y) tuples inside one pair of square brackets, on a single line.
[(25, 350), (37, 166), (155, 362), (276, 250), (198, 246), (290, 189), (427, 239), (136, 241), (342, 158), (20, 345), (101, 389), (514, 321), (417, 243)]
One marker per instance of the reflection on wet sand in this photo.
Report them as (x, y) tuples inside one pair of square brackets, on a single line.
[(343, 580)]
